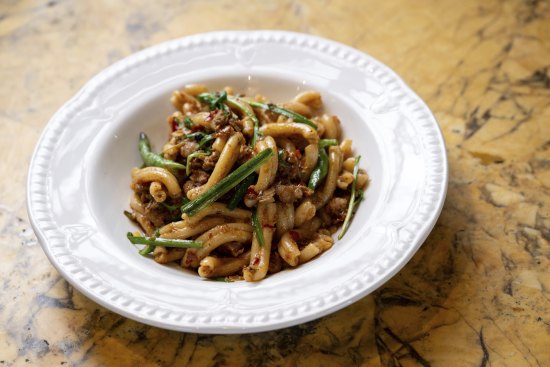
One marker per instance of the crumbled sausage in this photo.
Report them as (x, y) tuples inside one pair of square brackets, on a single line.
[(209, 161), (226, 132), (218, 119), (188, 147), (188, 185), (232, 249), (140, 187), (222, 121), (275, 263), (336, 209), (266, 196), (289, 166), (245, 154), (205, 162), (197, 178), (200, 177), (292, 193)]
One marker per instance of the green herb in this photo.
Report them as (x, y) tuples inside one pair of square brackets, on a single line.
[(258, 231), (320, 171), (205, 140), (218, 102), (351, 204), (179, 122), (359, 195), (240, 192), (221, 279), (215, 100), (202, 138), (227, 183), (207, 98), (281, 157), (196, 135), (152, 159), (187, 122), (237, 104), (296, 117)]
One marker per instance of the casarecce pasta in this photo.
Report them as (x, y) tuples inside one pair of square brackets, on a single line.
[(244, 188)]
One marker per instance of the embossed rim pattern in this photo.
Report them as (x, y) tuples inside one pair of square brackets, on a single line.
[(411, 235)]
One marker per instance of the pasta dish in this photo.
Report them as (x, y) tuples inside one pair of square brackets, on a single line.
[(244, 187)]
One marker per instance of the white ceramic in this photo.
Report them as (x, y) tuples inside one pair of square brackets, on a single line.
[(79, 178)]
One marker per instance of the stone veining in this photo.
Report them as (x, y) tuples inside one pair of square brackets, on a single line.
[(476, 294)]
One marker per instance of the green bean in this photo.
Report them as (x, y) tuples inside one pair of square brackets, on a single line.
[(227, 183), (351, 204), (130, 216), (320, 170), (257, 225), (146, 250), (323, 143), (166, 242), (152, 159), (240, 192), (296, 117)]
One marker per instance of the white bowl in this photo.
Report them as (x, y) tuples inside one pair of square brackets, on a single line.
[(79, 178)]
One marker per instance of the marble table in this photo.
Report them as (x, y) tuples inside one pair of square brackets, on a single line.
[(476, 294)]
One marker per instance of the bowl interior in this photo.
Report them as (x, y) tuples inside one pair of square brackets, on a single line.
[(114, 153)]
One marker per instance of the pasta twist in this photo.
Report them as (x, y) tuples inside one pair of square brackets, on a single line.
[(331, 126), (217, 209), (259, 257), (183, 230), (321, 196), (228, 157), (185, 102), (309, 160), (157, 192), (268, 170), (288, 129), (225, 233), (211, 267), (285, 218), (157, 174)]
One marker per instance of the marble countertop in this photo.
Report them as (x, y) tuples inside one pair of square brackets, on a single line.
[(476, 294)]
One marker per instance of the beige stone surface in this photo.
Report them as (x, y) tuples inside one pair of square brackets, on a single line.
[(476, 294)]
